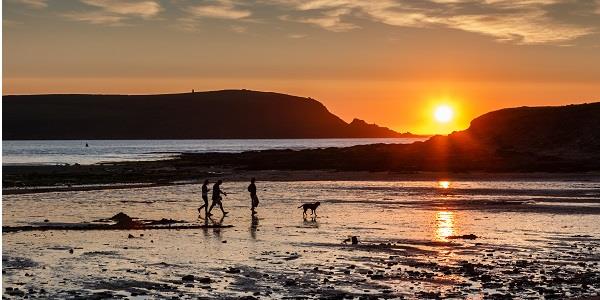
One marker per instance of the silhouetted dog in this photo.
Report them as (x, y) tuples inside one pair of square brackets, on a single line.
[(311, 206)]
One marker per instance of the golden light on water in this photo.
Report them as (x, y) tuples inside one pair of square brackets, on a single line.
[(444, 184), (444, 225)]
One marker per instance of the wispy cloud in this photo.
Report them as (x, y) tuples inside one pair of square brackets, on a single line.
[(144, 8), (115, 12), (238, 28), (10, 23), (558, 22), (226, 10), (98, 18), (220, 9), (330, 20), (36, 4), (520, 21)]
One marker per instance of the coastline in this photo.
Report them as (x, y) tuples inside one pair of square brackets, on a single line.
[(142, 174)]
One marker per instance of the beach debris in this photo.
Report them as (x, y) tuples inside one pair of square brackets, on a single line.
[(130, 236), (188, 278), (233, 270), (464, 237), (353, 239), (292, 256), (123, 222), (71, 251), (205, 280)]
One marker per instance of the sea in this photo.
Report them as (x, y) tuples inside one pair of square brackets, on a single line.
[(55, 152)]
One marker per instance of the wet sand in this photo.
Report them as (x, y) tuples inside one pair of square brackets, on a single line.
[(533, 239)]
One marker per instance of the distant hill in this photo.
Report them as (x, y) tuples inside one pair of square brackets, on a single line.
[(523, 139), (200, 115)]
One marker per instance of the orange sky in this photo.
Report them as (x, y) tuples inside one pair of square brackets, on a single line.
[(389, 62)]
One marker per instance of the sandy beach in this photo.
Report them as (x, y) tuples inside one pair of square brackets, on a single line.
[(417, 239)]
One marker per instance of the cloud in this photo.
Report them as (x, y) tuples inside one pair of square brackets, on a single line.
[(10, 23), (220, 9), (330, 20), (532, 28), (226, 10), (144, 9), (238, 28), (296, 36), (97, 18), (36, 4), (115, 12), (519, 21)]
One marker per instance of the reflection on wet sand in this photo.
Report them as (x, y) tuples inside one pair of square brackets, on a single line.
[(402, 247), (216, 230), (444, 225), (444, 184), (253, 226), (310, 222)]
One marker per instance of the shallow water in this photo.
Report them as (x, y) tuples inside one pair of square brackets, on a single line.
[(529, 234), (52, 152)]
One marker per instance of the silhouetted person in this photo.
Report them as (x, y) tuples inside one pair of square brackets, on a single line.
[(216, 197), (205, 191), (86, 144), (253, 196)]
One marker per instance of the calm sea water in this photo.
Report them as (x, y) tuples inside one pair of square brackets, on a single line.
[(61, 152)]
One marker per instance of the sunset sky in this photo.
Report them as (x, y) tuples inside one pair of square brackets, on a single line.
[(387, 62)]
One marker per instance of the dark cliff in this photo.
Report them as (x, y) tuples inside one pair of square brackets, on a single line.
[(218, 114)]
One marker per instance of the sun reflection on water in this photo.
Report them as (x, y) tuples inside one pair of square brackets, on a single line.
[(444, 184), (444, 225)]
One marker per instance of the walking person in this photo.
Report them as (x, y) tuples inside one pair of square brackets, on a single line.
[(253, 196), (205, 191), (216, 197)]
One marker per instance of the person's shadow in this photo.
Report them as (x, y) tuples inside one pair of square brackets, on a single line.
[(311, 223), (253, 226)]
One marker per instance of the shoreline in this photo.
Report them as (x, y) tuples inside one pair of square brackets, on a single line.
[(239, 175)]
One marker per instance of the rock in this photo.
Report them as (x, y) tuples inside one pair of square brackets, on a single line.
[(464, 237), (232, 270), (188, 278), (130, 236), (204, 280), (71, 251), (224, 242), (121, 218), (354, 240), (290, 282), (46, 220)]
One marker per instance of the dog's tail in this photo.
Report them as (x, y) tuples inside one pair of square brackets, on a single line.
[(300, 206)]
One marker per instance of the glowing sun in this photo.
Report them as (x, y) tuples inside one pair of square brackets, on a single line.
[(443, 113)]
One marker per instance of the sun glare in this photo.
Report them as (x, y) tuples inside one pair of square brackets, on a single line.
[(443, 113), (444, 184)]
